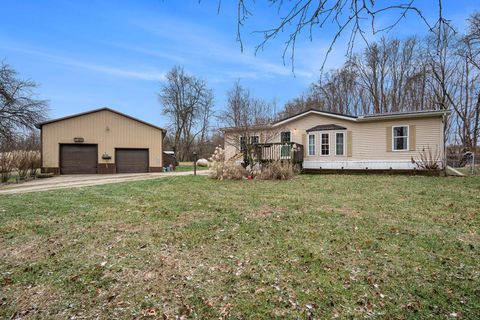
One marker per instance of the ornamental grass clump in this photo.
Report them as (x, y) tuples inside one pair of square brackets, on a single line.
[(277, 170), (222, 169)]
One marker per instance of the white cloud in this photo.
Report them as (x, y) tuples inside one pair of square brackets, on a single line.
[(148, 74), (210, 49)]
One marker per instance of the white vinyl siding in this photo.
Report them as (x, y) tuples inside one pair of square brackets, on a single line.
[(368, 139)]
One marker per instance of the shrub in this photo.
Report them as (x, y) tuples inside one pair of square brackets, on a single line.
[(7, 165), (428, 160), (277, 170), (221, 169), (27, 162), (22, 162), (35, 163)]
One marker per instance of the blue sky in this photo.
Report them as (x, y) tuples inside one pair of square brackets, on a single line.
[(90, 54)]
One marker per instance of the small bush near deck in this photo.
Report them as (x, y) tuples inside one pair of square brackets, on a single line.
[(222, 169), (277, 170)]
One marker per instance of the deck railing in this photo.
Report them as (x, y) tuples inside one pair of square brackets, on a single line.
[(267, 152)]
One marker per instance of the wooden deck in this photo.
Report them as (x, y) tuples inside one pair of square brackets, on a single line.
[(276, 151)]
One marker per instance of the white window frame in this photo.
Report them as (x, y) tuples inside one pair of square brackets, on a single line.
[(408, 138), (314, 144), (321, 144), (344, 143)]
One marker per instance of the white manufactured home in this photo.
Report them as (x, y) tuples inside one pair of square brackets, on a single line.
[(390, 141)]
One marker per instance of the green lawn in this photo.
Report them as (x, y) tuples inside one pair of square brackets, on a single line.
[(188, 166), (314, 247)]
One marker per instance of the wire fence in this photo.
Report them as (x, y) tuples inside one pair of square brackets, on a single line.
[(466, 163)]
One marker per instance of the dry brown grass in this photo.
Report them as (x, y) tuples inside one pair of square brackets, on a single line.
[(311, 247)]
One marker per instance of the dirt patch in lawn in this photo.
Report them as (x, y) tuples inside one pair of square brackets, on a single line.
[(32, 301), (347, 212), (266, 211)]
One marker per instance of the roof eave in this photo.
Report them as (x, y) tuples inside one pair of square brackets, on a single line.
[(426, 114), (40, 124), (327, 114)]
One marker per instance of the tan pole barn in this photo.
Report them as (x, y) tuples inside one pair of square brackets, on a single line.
[(101, 141)]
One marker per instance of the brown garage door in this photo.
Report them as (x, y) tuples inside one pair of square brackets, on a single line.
[(131, 160), (78, 158)]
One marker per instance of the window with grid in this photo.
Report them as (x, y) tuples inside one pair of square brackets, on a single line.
[(311, 144), (325, 144), (339, 143), (243, 144)]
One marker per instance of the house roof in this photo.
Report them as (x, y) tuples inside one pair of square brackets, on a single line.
[(40, 124), (403, 114), (324, 127), (316, 111), (370, 117)]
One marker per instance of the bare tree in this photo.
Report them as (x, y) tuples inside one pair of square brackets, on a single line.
[(456, 81), (351, 17), (19, 109), (188, 102), (440, 71), (247, 117)]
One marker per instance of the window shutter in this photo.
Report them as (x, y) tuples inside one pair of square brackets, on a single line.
[(349, 144), (412, 138), (262, 138), (389, 139), (305, 146)]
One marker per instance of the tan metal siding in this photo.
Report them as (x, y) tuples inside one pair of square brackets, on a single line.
[(105, 128)]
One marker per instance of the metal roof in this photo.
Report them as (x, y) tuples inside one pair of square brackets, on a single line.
[(40, 124)]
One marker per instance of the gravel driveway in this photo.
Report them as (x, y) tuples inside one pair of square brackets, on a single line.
[(84, 180)]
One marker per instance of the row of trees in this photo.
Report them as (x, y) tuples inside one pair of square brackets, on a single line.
[(441, 71), (193, 125), (20, 110)]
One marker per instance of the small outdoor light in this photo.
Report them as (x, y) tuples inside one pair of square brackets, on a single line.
[(194, 163)]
